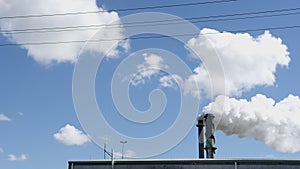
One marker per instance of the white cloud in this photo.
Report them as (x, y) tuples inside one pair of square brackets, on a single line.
[(151, 66), (127, 154), (46, 54), (1, 150), (12, 157), (4, 118), (69, 136), (275, 124), (247, 61), (170, 81)]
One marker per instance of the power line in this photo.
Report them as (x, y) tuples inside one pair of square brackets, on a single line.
[(157, 22), (144, 37), (92, 27), (116, 10), (267, 28)]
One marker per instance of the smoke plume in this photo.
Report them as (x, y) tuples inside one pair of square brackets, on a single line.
[(275, 124)]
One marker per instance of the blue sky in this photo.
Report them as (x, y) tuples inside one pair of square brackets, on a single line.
[(38, 121)]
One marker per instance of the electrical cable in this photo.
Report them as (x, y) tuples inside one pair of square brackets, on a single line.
[(144, 37), (116, 10), (173, 21)]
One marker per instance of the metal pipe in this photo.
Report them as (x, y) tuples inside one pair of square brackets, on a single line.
[(200, 126), (112, 159)]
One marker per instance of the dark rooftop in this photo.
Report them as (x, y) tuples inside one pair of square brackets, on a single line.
[(187, 164)]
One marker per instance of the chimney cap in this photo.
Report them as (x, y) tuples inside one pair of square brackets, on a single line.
[(204, 116)]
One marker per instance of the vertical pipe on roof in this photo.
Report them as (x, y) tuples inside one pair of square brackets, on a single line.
[(200, 126)]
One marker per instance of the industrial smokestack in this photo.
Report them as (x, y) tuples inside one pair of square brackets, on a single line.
[(206, 120), (209, 135), (200, 126)]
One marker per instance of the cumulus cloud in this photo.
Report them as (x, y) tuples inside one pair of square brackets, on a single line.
[(275, 124), (151, 66), (69, 135), (66, 52), (4, 118), (247, 61), (127, 154), (22, 157)]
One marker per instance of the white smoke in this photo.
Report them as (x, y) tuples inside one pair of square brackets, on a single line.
[(275, 124), (248, 62)]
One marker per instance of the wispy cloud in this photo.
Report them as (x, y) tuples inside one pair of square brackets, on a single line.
[(171, 81), (22, 157), (69, 135), (20, 113), (151, 66), (127, 154), (1, 150), (4, 118)]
